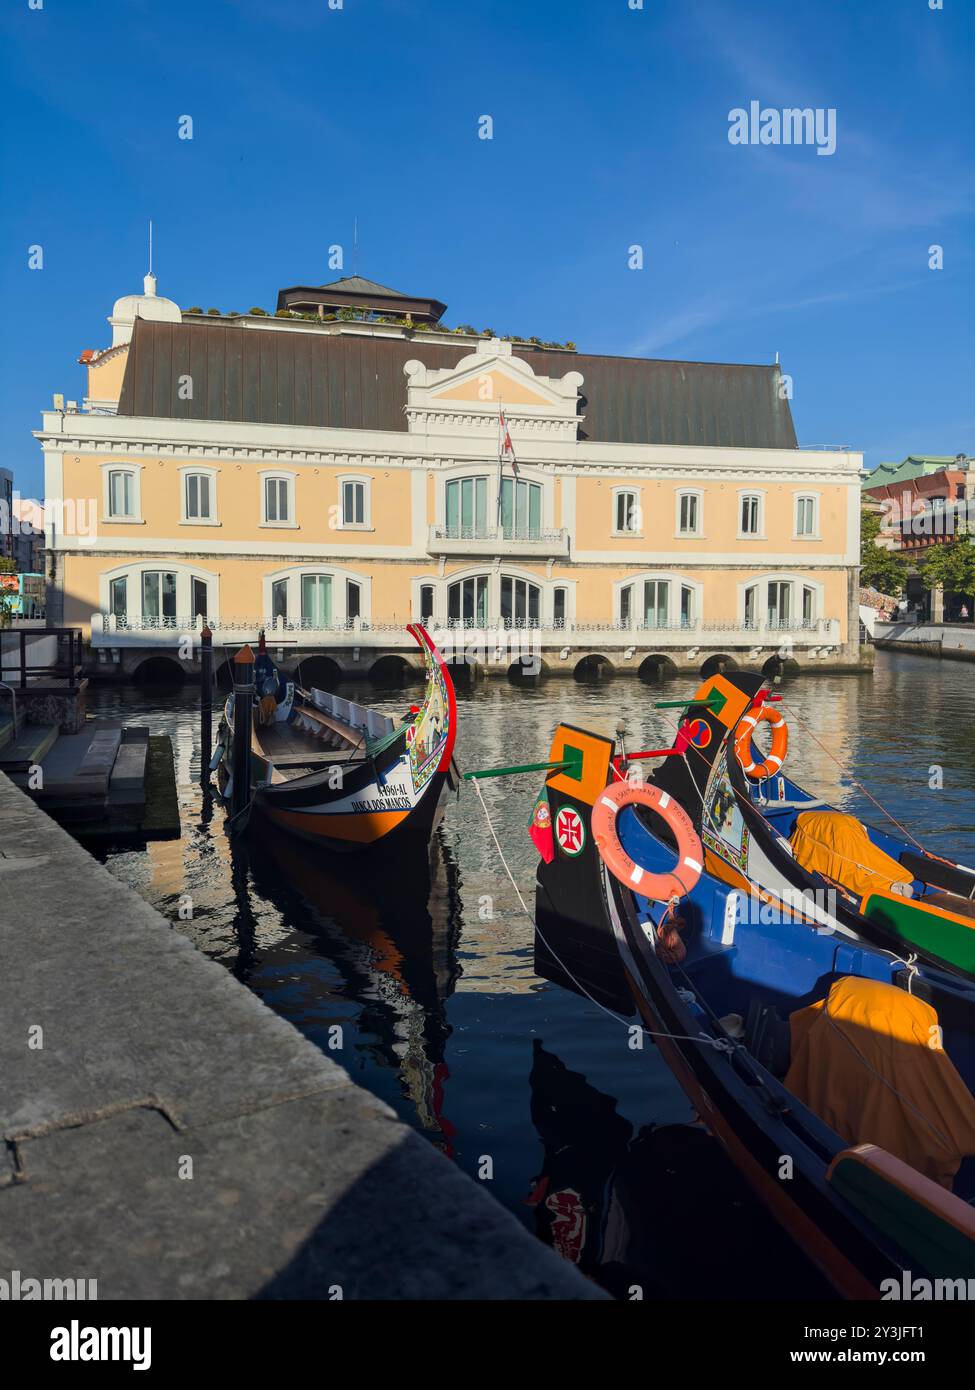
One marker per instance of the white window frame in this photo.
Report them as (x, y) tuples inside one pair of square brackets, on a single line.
[(798, 582), (637, 494), (698, 532), (265, 476), (135, 472), (758, 535), (185, 574), (366, 484), (440, 584), (677, 581), (185, 473), (814, 534), (526, 474), (339, 575)]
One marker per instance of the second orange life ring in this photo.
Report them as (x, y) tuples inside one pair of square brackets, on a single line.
[(780, 742), (662, 888)]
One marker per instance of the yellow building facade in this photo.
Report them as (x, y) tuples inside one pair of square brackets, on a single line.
[(332, 479)]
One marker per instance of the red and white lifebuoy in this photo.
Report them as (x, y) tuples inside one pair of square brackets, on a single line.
[(747, 726), (662, 888)]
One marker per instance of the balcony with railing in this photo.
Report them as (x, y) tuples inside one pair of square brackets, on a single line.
[(532, 541), (108, 630)]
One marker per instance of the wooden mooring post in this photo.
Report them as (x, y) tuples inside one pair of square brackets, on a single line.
[(243, 716), (206, 703)]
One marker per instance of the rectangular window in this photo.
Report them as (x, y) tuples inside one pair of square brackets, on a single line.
[(689, 503), (806, 516), (521, 510), (750, 508), (120, 494), (197, 497), (353, 600), (426, 603), (118, 590), (199, 598), (158, 596), (808, 606), (626, 606), (353, 504), (779, 604), (316, 600), (751, 606), (686, 606), (276, 499), (279, 599), (558, 608), (656, 600), (626, 512), (466, 510)]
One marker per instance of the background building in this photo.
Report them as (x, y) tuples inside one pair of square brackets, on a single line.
[(927, 502), (331, 472)]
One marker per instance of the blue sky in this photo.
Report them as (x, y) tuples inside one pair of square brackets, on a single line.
[(610, 129)]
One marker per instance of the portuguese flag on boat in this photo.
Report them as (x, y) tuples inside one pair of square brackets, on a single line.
[(540, 827)]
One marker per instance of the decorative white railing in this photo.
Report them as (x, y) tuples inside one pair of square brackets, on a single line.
[(108, 629)]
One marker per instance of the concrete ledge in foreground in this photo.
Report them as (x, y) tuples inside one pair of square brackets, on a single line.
[(152, 1054)]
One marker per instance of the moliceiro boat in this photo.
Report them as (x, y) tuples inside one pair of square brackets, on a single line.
[(835, 1069), (339, 774)]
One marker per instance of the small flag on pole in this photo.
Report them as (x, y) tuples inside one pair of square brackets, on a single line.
[(540, 827), (506, 452)]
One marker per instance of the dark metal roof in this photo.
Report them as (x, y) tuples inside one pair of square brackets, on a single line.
[(355, 284), (356, 381), (353, 292)]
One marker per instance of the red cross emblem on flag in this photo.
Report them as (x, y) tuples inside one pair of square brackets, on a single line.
[(570, 831)]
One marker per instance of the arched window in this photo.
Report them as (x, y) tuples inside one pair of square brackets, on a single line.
[(559, 605), (467, 602), (521, 510), (520, 602), (466, 512)]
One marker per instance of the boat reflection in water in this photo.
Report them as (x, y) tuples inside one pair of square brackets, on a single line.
[(392, 938), (656, 1213)]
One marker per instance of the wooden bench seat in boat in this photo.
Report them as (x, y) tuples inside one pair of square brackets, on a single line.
[(331, 725)]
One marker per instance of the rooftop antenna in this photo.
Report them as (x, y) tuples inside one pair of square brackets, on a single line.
[(355, 243), (776, 357), (150, 280)]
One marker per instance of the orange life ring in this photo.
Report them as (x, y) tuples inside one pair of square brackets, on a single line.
[(662, 888), (780, 742)]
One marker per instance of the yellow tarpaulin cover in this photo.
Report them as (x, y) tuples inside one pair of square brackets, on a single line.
[(831, 843), (868, 1060)]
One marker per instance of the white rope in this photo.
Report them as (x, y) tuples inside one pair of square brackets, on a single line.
[(719, 1044)]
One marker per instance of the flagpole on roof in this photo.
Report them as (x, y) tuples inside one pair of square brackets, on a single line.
[(500, 456)]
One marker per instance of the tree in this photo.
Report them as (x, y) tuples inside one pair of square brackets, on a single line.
[(950, 567), (880, 568)]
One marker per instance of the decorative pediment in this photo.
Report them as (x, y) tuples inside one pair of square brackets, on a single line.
[(468, 396)]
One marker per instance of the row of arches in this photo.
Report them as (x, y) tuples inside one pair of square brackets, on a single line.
[(394, 672)]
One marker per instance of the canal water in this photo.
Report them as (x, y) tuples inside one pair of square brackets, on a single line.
[(424, 989)]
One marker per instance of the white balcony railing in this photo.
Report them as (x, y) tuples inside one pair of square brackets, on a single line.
[(107, 630), (486, 540)]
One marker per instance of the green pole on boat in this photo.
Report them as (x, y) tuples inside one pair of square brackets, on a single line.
[(570, 764), (524, 767), (713, 701)]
